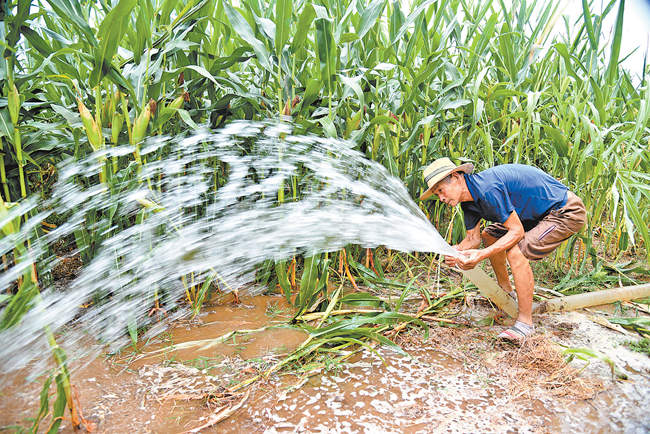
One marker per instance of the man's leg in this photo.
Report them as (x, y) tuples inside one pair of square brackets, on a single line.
[(524, 283), (498, 262)]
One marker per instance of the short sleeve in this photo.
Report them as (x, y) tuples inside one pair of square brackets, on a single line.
[(471, 218), (501, 204)]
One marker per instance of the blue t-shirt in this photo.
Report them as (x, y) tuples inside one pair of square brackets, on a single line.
[(500, 190)]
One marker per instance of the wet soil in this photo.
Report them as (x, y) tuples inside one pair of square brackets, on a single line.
[(442, 387)]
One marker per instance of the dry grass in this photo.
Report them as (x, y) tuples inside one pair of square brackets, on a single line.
[(537, 365)]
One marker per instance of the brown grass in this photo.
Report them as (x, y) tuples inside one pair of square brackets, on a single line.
[(536, 365), (539, 364)]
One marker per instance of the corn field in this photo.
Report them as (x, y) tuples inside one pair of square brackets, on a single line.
[(476, 81)]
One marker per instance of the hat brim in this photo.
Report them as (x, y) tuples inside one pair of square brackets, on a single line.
[(465, 168)]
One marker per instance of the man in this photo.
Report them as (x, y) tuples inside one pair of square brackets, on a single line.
[(533, 214)]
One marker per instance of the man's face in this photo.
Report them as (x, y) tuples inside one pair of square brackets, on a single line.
[(449, 191)]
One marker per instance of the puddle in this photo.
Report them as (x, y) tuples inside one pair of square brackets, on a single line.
[(430, 392), (434, 393)]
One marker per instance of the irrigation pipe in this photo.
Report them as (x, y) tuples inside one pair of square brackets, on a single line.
[(498, 296), (588, 299), (491, 290)]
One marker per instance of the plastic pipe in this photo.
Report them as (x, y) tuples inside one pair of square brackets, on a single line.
[(492, 290), (588, 299)]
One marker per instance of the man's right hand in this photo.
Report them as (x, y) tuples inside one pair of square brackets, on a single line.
[(451, 260)]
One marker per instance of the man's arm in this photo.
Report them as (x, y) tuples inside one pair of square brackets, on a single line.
[(470, 258), (472, 240)]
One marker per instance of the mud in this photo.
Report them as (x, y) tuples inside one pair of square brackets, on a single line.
[(432, 391)]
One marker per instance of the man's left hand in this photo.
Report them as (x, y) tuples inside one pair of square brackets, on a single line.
[(468, 259)]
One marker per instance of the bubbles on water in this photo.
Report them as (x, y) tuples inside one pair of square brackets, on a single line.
[(203, 207)]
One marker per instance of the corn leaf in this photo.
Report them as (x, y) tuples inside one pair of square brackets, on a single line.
[(326, 51), (369, 16), (110, 33), (244, 30), (612, 69), (283, 18)]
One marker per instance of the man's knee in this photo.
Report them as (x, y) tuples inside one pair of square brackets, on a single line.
[(516, 257), (488, 239)]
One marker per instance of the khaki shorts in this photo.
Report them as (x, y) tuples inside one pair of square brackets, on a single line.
[(556, 227)]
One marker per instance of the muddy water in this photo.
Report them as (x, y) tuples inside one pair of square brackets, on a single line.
[(255, 319), (429, 392)]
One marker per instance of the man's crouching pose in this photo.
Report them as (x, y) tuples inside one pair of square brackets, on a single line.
[(533, 214)]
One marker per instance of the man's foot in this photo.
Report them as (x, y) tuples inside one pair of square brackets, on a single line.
[(517, 332)]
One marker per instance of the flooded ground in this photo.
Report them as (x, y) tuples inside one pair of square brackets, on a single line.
[(454, 382)]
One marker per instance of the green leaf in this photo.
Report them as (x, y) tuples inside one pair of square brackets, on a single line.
[(506, 50), (45, 404), (559, 142), (110, 33), (396, 21), (304, 24), (310, 95), (353, 84), (600, 101), (166, 10), (6, 126), (481, 41), (389, 161), (348, 37), (201, 70), (283, 14), (22, 301), (188, 119), (15, 23), (382, 119), (564, 52), (308, 282), (202, 295), (362, 299), (132, 325), (326, 50), (369, 16), (631, 321), (328, 126), (244, 30), (586, 353), (417, 13), (586, 13), (450, 105), (612, 69), (36, 41), (144, 38), (59, 406), (70, 10), (283, 279)]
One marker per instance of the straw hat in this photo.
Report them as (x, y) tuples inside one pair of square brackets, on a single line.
[(438, 170)]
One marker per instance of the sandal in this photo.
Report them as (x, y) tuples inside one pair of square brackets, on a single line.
[(517, 332)]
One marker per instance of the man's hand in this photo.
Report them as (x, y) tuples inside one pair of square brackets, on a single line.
[(468, 259), (451, 260), (472, 241)]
